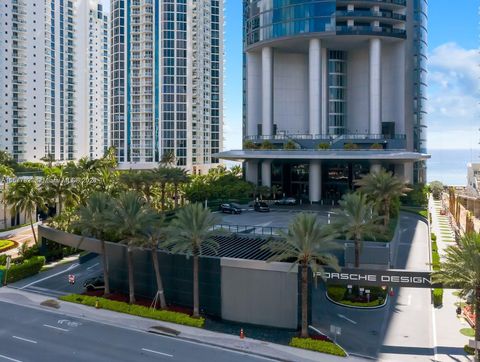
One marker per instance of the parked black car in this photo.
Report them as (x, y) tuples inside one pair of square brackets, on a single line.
[(95, 283), (231, 208), (261, 206)]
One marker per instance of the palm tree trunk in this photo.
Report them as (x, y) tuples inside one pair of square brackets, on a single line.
[(477, 321), (105, 270), (59, 204), (196, 303), (33, 230), (163, 303), (386, 219), (176, 195), (304, 332), (163, 196), (357, 254), (4, 201), (131, 282)]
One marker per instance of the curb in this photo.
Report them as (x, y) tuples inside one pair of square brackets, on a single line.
[(356, 307)]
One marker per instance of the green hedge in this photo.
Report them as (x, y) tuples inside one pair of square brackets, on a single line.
[(25, 269), (437, 297), (336, 292), (318, 346), (434, 237), (469, 350), (137, 310)]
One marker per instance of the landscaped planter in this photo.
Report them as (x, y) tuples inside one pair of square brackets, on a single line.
[(338, 294), (6, 245)]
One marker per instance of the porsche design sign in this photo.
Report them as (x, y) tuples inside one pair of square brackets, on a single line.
[(372, 277)]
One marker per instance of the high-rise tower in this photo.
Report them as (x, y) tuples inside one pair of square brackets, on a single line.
[(333, 89), (166, 79)]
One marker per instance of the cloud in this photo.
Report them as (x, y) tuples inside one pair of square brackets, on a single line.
[(453, 94)]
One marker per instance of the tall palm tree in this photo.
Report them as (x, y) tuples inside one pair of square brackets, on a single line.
[(128, 218), (49, 159), (191, 233), (308, 245), (5, 173), (460, 268), (237, 171), (58, 184), (25, 196), (106, 180), (382, 187), (356, 219), (177, 176), (152, 235), (168, 158), (91, 222)]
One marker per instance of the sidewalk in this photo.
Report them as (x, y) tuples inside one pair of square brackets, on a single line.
[(450, 341), (259, 348)]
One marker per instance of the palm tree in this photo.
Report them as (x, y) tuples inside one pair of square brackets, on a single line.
[(357, 219), (191, 233), (25, 196), (151, 237), (237, 171), (5, 173), (382, 187), (128, 218), (106, 180), (177, 176), (49, 159), (168, 158), (460, 268), (308, 245), (91, 222), (58, 185), (161, 176)]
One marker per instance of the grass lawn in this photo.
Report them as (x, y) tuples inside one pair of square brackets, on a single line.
[(415, 210), (5, 244), (469, 332)]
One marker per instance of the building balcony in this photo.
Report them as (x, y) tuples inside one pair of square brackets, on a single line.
[(371, 30), (334, 142), (385, 16), (387, 4)]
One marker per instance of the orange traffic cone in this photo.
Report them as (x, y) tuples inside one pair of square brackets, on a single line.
[(242, 335)]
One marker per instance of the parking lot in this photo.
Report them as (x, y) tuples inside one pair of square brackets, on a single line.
[(278, 217)]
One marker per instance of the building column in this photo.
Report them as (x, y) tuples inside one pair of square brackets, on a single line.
[(375, 86), (267, 173), (314, 82), (315, 181), (251, 172), (408, 172), (324, 76), (253, 93), (267, 91)]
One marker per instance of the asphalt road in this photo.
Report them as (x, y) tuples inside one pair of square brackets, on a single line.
[(28, 334), (403, 329), (54, 282)]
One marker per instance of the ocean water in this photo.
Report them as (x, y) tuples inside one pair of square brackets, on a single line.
[(450, 166)]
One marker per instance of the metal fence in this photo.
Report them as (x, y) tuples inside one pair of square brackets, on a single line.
[(251, 229)]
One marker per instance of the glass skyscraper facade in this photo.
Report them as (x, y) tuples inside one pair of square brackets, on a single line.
[(342, 84), (166, 77)]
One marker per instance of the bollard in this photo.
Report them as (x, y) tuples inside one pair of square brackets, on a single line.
[(242, 335)]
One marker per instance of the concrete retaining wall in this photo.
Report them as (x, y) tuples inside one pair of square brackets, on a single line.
[(257, 292)]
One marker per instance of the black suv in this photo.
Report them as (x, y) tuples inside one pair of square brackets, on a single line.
[(261, 206), (231, 208)]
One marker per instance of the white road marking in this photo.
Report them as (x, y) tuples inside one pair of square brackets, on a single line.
[(93, 266), (51, 276), (347, 319), (53, 327), (156, 352), (24, 339), (10, 359)]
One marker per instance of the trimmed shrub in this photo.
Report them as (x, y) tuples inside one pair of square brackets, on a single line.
[(249, 145), (290, 145), (23, 270), (469, 350), (336, 292), (137, 310), (434, 237), (7, 245), (266, 145), (437, 297), (318, 346), (323, 146), (376, 146), (350, 146)]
